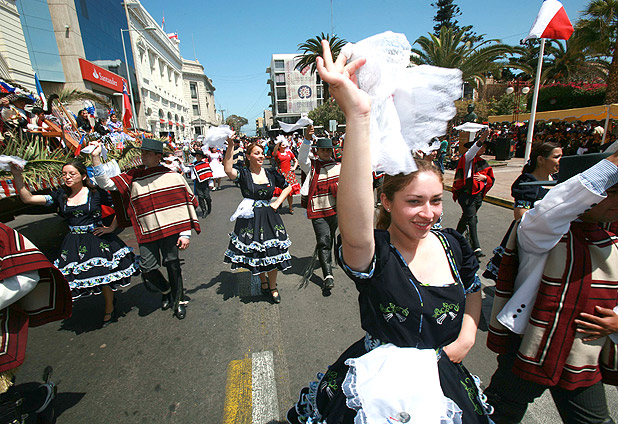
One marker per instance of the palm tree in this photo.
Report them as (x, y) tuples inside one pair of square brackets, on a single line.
[(312, 49), (70, 96), (568, 62), (597, 34), (450, 50)]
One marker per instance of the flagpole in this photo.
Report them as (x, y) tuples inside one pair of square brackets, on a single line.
[(535, 98)]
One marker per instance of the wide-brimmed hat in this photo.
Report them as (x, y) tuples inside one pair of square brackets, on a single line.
[(14, 97), (571, 166), (323, 143), (152, 145)]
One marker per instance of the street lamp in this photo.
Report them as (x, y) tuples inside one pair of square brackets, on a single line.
[(126, 64), (514, 87)]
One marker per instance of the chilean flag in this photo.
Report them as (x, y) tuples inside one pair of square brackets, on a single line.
[(127, 115), (39, 91), (551, 22)]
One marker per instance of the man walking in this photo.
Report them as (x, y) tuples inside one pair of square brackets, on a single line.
[(161, 207), (553, 323), (473, 179), (321, 187), (201, 174)]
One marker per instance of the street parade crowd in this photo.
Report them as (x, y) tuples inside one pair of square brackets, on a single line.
[(554, 320)]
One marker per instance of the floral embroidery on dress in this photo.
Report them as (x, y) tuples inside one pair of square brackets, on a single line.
[(393, 310), (82, 251), (446, 310), (329, 383), (104, 246)]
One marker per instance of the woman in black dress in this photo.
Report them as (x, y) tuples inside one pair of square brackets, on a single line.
[(418, 290), (543, 164), (92, 258), (259, 241)]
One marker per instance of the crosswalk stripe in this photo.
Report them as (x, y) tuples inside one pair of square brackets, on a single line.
[(264, 392), (238, 392)]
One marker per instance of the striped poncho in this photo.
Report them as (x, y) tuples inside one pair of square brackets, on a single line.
[(160, 202), (580, 273)]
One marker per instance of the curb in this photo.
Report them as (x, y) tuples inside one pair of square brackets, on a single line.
[(498, 201)]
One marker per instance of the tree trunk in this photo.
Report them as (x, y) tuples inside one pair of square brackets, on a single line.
[(611, 93)]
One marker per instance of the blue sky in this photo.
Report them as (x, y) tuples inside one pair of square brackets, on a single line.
[(234, 40)]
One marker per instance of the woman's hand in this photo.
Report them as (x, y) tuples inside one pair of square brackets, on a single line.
[(275, 205), (458, 350), (16, 170), (480, 177), (342, 82), (99, 231), (97, 148)]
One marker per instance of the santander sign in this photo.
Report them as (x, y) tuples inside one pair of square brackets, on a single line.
[(100, 76)]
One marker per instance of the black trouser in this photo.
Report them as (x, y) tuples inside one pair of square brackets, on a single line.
[(202, 191), (510, 395), (324, 229), (470, 204)]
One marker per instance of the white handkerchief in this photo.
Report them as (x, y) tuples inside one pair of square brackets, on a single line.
[(6, 160)]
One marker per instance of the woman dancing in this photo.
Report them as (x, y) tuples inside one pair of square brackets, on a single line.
[(285, 157), (418, 290), (259, 241), (214, 158), (92, 259)]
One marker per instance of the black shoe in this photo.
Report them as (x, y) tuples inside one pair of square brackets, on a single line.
[(274, 294), (180, 312), (479, 253), (166, 301), (329, 282), (265, 289)]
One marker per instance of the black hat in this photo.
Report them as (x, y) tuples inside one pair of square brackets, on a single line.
[(152, 145), (323, 143), (571, 166), (20, 96)]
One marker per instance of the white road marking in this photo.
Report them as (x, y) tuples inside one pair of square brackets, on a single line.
[(264, 388)]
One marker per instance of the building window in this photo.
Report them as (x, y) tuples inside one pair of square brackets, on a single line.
[(279, 79), (84, 8), (319, 93), (279, 64), (197, 130), (196, 110), (281, 94), (282, 107), (193, 88)]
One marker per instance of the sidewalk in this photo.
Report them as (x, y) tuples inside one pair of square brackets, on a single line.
[(506, 172)]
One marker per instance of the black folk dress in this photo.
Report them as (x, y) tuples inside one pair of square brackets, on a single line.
[(90, 262), (259, 244), (397, 308)]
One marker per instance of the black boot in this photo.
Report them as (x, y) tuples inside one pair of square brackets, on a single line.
[(175, 277), (156, 279), (209, 205)]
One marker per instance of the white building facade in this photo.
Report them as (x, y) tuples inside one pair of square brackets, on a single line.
[(15, 62), (199, 94), (158, 68), (293, 92)]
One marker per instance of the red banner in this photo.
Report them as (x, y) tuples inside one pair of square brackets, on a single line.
[(100, 76)]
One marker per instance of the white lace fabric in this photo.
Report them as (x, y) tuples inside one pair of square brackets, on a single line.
[(409, 105), (217, 136), (398, 383)]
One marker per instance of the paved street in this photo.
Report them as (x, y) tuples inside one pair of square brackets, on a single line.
[(236, 358)]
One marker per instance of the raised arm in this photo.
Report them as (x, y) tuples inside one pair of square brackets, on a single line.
[(101, 178), (24, 193), (355, 193), (228, 160)]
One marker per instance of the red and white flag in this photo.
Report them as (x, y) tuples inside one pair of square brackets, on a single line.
[(551, 22), (127, 115)]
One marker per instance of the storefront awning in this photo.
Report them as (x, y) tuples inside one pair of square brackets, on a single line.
[(598, 113)]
